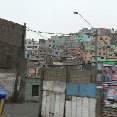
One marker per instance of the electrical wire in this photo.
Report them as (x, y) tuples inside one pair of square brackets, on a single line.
[(91, 27)]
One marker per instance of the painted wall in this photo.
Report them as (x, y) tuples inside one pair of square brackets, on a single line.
[(28, 89)]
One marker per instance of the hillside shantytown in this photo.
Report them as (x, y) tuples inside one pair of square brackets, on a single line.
[(59, 75)]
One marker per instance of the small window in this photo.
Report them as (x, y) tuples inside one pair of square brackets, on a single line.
[(35, 46), (29, 46), (102, 57), (36, 52), (56, 52), (35, 90), (99, 53), (103, 53), (103, 48), (116, 54)]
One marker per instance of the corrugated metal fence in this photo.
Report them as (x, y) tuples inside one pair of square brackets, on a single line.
[(53, 100), (67, 93)]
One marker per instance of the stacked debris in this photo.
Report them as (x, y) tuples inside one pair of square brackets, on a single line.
[(110, 100)]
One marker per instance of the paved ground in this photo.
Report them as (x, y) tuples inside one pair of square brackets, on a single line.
[(21, 110)]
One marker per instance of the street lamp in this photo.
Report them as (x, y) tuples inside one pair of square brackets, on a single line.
[(95, 35)]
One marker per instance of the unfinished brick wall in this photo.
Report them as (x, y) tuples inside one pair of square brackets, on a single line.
[(71, 75), (11, 43)]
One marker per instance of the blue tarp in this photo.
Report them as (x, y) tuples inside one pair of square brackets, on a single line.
[(82, 90)]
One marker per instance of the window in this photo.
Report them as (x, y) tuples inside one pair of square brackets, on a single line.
[(110, 54), (36, 52), (102, 57), (29, 42), (115, 54), (29, 46), (103, 48), (103, 53), (35, 90), (35, 46), (99, 53), (56, 52)]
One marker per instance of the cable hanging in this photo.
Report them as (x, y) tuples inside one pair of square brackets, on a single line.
[(50, 33)]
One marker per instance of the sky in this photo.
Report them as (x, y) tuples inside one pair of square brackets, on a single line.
[(57, 15)]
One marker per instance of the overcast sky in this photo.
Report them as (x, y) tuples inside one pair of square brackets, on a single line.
[(57, 15)]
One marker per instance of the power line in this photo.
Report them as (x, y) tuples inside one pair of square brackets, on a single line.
[(40, 32), (36, 32), (51, 33)]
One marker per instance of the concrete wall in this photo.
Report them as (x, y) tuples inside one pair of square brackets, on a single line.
[(7, 81)]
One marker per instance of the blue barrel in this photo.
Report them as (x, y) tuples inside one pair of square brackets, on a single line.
[(2, 94)]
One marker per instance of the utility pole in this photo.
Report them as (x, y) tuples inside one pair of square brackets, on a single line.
[(41, 91), (20, 71), (96, 34)]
